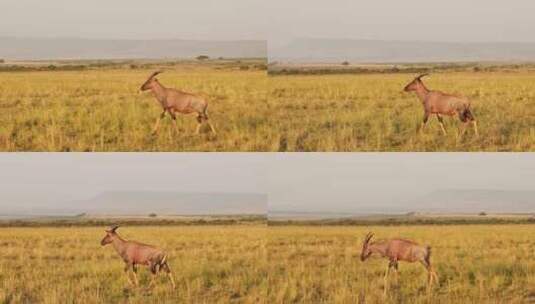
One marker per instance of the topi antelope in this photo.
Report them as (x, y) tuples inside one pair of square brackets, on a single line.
[(399, 250), (134, 253), (436, 102), (175, 101)]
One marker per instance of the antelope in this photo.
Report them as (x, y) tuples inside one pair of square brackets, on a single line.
[(439, 103), (175, 101), (134, 253), (399, 250)]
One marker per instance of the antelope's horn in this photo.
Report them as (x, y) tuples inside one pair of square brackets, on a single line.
[(113, 228), (155, 73), (422, 75), (368, 237)]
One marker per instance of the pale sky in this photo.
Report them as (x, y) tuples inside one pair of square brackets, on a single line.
[(427, 20), (344, 182), (45, 178), (308, 182), (278, 20), (135, 19)]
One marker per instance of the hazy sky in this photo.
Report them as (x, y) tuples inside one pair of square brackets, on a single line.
[(278, 20), (452, 20), (64, 177), (134, 19), (311, 182), (342, 182)]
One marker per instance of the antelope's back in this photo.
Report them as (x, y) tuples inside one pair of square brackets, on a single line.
[(405, 250), (143, 253), (439, 102), (186, 102)]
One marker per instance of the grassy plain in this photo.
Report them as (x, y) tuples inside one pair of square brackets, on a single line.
[(98, 107), (211, 264), (370, 112), (475, 264)]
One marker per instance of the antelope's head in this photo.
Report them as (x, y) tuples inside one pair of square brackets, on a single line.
[(366, 252), (415, 84), (149, 84), (110, 234)]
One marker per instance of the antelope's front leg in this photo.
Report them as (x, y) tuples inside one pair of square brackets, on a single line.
[(424, 122), (157, 124), (126, 272), (134, 271), (386, 278)]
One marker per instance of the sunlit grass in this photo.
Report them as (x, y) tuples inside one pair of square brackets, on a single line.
[(371, 113), (211, 264), (103, 110), (475, 264)]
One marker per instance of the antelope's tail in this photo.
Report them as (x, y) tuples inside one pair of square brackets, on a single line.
[(466, 114)]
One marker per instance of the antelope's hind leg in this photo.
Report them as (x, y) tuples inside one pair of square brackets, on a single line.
[(154, 268), (474, 123), (207, 120), (199, 124), (431, 274), (167, 270), (441, 121), (173, 116)]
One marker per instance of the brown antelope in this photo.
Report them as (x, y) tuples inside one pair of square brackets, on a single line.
[(438, 103), (175, 101), (399, 250), (134, 253)]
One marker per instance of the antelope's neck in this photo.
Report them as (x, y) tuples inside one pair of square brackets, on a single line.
[(379, 248), (118, 244), (421, 92), (159, 91)]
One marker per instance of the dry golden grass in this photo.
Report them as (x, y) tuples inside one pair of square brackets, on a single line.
[(211, 264), (371, 113), (475, 264), (102, 110)]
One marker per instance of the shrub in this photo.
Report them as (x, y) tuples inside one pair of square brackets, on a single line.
[(202, 57)]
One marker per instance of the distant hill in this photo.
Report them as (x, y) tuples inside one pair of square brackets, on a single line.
[(74, 48), (473, 201), (447, 201), (378, 51), (146, 202)]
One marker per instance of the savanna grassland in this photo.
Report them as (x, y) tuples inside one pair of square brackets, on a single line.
[(475, 264), (211, 264), (370, 111), (98, 107)]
